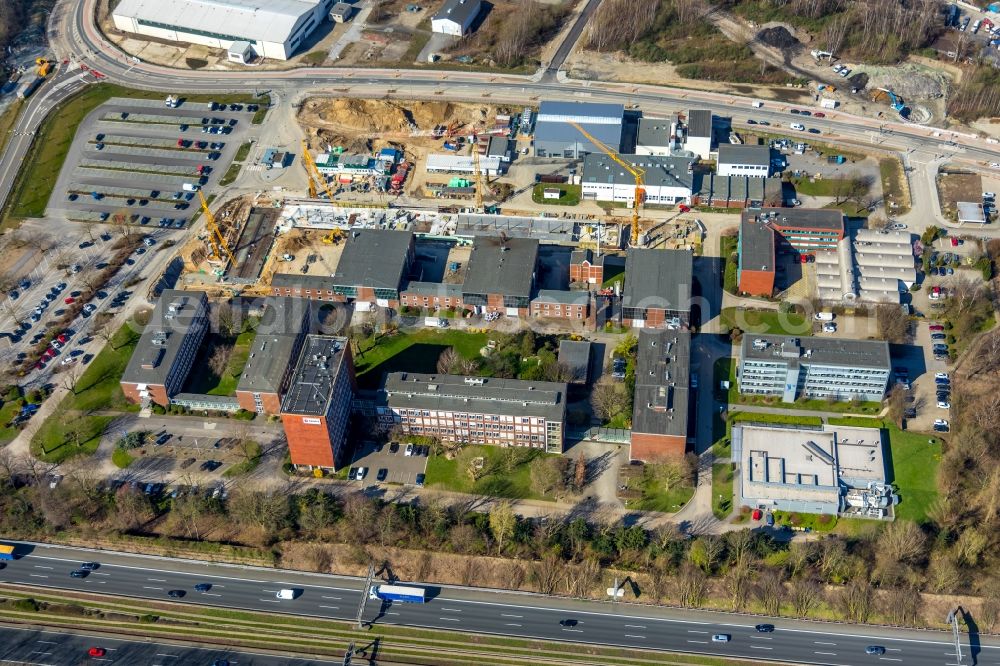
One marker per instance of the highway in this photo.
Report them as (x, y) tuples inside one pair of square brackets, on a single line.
[(486, 611)]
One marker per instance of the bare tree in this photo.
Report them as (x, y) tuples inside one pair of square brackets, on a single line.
[(503, 520), (580, 473), (219, 359), (893, 324), (805, 595), (770, 591), (692, 586), (902, 541), (448, 360), (226, 318), (608, 398)]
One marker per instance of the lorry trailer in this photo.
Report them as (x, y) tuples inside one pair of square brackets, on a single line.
[(6, 551), (409, 595)]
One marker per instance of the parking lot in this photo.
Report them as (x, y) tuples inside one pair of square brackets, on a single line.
[(400, 468), (141, 159)]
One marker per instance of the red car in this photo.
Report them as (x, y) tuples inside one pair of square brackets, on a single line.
[(804, 258), (684, 209), (819, 114), (180, 143), (757, 514), (936, 327), (68, 300), (62, 337), (954, 242), (97, 652)]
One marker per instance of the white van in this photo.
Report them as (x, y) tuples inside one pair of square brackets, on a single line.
[(797, 126), (756, 104), (285, 594), (823, 316)]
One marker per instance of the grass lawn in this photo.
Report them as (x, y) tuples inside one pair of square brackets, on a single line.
[(446, 475), (7, 412), (417, 352), (765, 321), (33, 186), (569, 195), (97, 389), (204, 380), (232, 173), (821, 187), (914, 461), (722, 490), (812, 521), (657, 498), (792, 419), (850, 209), (243, 151), (727, 247), (121, 458), (891, 171), (247, 465)]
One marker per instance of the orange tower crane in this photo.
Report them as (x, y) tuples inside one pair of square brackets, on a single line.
[(314, 174), (637, 173), (215, 237)]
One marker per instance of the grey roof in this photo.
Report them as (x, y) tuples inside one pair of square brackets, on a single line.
[(281, 327), (264, 20), (658, 278), (459, 11), (311, 388), (442, 289), (480, 395), (661, 171), (560, 296), (740, 188), (756, 246), (602, 121), (808, 218), (342, 9), (743, 154), (499, 146), (177, 314), (662, 373), (653, 132), (699, 123), (378, 258), (297, 280), (498, 266), (817, 351), (576, 355)]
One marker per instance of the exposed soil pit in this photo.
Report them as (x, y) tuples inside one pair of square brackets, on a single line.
[(911, 82)]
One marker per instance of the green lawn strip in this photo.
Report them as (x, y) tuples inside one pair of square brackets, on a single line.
[(243, 151), (8, 411), (850, 209), (891, 172), (516, 484), (47, 153), (811, 521), (569, 195), (247, 465), (736, 399), (232, 173), (121, 458), (722, 490), (655, 497), (758, 322), (915, 458), (727, 247), (237, 362), (820, 187), (429, 343), (793, 419)]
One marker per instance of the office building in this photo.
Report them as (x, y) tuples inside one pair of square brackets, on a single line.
[(556, 137), (744, 160), (657, 290), (500, 275), (662, 394), (578, 358), (698, 133), (557, 304), (280, 333), (167, 348), (805, 367), (666, 180), (274, 29), (824, 469), (317, 405), (477, 410)]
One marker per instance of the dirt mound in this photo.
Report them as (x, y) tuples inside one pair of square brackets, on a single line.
[(779, 38), (376, 115), (859, 81), (911, 82)]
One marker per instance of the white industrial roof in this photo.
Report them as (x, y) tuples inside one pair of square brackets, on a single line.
[(264, 20)]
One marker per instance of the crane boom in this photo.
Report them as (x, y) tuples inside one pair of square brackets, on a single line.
[(478, 174), (314, 174), (637, 173), (215, 237)]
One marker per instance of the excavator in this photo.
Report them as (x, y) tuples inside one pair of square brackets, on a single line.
[(44, 66)]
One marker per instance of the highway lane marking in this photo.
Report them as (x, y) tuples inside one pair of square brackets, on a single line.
[(333, 607), (699, 642), (146, 587), (633, 636), (635, 626), (99, 574), (210, 594), (47, 642), (695, 631), (760, 647), (161, 654), (38, 575), (335, 598), (577, 631), (270, 601), (157, 580), (450, 619), (832, 654), (823, 643), (889, 659), (392, 613), (451, 610), (762, 638), (509, 615), (39, 566), (511, 624)]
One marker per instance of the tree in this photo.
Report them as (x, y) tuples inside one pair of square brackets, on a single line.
[(262, 509), (448, 360), (70, 377), (608, 398), (503, 520), (705, 552), (893, 323), (857, 600), (902, 541), (805, 595), (692, 585), (548, 476), (770, 591), (226, 317), (897, 403)]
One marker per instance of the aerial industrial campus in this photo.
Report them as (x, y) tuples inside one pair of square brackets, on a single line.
[(449, 332)]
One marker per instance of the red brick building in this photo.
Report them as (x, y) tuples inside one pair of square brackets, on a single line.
[(657, 289), (316, 408), (432, 295), (662, 395), (554, 304), (585, 267), (500, 276)]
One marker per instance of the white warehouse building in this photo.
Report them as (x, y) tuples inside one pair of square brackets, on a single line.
[(274, 28), (667, 180)]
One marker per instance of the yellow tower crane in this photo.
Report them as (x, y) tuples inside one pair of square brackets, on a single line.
[(215, 237), (314, 174), (637, 173), (478, 172)]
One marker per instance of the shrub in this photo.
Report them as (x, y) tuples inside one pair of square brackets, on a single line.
[(244, 415), (27, 605)]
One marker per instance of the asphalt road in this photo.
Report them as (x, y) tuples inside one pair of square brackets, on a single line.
[(30, 646), (491, 612)]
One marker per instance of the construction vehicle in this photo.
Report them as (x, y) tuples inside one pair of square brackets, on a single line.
[(638, 174), (821, 54), (895, 101), (314, 174), (215, 237), (332, 237), (44, 66), (477, 172)]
